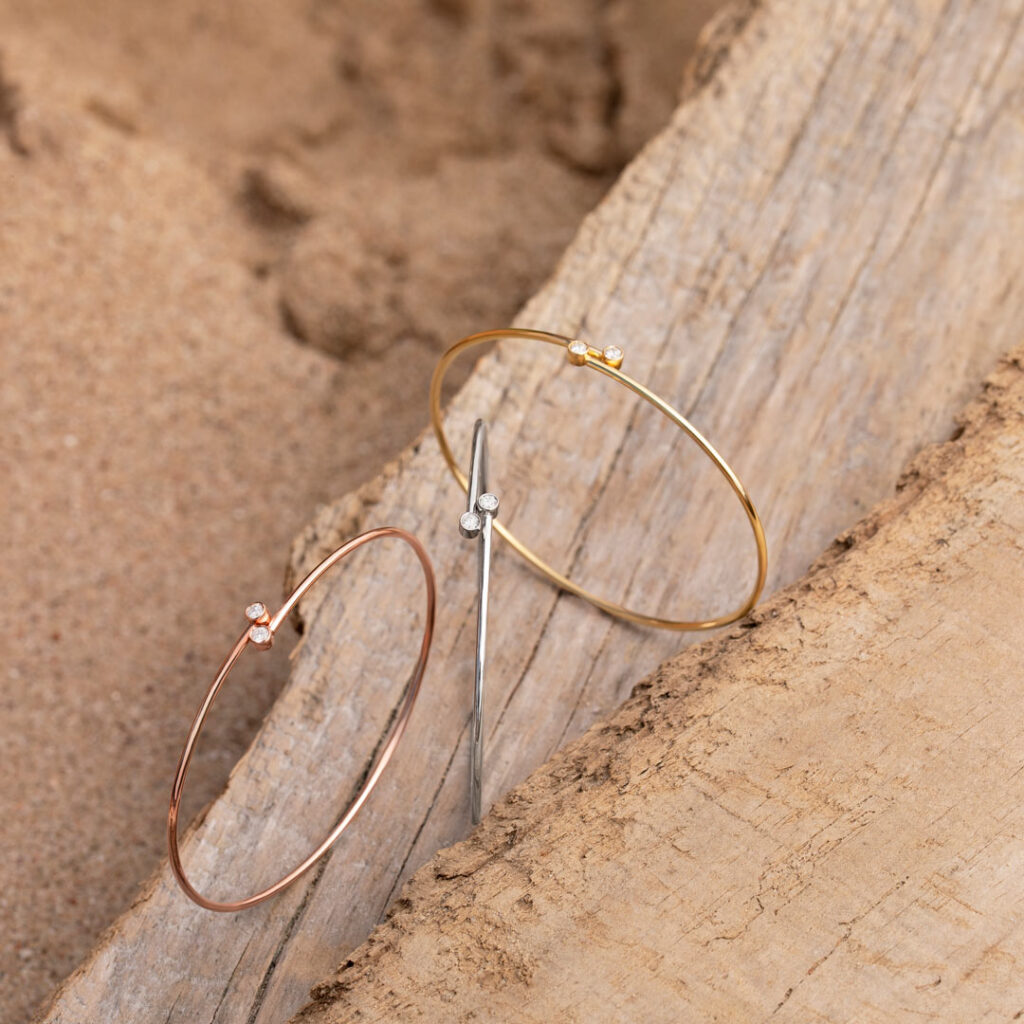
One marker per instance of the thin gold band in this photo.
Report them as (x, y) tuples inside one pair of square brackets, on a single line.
[(608, 363)]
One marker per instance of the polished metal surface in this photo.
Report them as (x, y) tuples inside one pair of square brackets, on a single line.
[(608, 362), (475, 523)]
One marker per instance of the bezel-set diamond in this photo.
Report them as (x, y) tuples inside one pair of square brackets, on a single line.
[(613, 355), (470, 524), (256, 611), (487, 502), (261, 636), (578, 351)]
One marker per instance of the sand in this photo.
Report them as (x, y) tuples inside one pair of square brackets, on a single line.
[(233, 240)]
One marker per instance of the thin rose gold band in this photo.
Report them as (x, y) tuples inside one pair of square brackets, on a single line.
[(260, 625)]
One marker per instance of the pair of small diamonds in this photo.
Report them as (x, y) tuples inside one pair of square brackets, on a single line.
[(259, 632), (471, 522), (578, 352)]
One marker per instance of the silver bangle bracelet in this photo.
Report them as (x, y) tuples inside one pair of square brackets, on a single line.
[(475, 522)]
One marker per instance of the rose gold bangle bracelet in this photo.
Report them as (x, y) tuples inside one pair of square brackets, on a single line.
[(259, 633)]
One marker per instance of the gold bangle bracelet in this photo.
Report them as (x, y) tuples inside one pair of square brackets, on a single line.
[(607, 362)]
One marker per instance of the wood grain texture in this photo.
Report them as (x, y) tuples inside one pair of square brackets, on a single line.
[(817, 261), (820, 818)]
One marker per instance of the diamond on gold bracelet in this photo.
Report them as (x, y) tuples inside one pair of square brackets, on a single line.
[(578, 351), (612, 355)]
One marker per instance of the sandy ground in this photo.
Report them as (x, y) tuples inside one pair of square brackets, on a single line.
[(233, 239)]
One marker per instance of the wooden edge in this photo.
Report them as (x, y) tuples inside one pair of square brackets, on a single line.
[(506, 919)]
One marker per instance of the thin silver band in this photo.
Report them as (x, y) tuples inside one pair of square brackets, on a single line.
[(481, 508)]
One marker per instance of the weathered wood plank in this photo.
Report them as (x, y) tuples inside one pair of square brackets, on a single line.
[(820, 819), (817, 261)]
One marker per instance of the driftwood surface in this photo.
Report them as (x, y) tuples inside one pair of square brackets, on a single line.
[(817, 818), (818, 261)]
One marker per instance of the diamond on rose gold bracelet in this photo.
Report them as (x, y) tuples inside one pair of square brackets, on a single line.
[(259, 633)]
